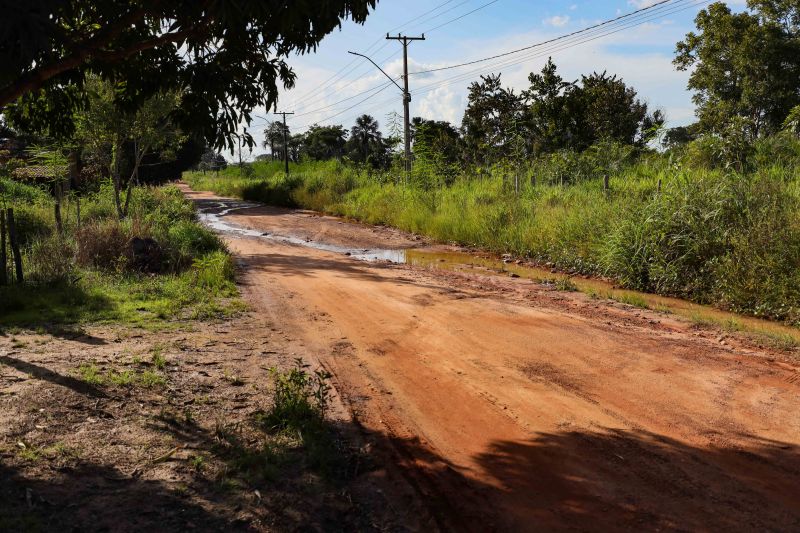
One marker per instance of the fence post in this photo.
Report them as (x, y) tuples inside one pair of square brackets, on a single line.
[(59, 191), (605, 183), (12, 238), (3, 259)]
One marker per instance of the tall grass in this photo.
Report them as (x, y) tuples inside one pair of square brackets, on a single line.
[(672, 225)]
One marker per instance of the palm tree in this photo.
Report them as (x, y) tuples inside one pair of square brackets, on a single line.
[(273, 138), (365, 137)]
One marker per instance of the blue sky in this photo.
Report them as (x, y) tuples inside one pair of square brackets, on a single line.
[(641, 55)]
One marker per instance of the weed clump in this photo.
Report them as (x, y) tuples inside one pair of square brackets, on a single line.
[(300, 399)]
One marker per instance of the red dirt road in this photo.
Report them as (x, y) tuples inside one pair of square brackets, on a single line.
[(511, 406)]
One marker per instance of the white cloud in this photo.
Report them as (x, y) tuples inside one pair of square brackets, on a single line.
[(558, 21), (440, 104), (639, 4)]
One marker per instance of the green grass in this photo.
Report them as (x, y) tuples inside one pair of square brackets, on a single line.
[(631, 299), (565, 284), (150, 379), (90, 374), (86, 276), (158, 359), (125, 378)]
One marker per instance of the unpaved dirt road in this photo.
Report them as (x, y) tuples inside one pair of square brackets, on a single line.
[(511, 406)]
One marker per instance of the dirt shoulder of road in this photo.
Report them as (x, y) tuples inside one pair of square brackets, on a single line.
[(120, 429)]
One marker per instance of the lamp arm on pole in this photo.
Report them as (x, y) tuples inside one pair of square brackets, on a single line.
[(379, 68)]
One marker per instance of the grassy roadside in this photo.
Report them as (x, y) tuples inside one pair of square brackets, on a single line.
[(157, 266), (668, 227)]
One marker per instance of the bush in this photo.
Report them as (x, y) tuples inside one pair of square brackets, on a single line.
[(51, 260), (186, 240), (102, 245), (213, 271), (300, 398)]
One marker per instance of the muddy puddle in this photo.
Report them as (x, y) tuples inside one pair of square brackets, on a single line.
[(212, 213)]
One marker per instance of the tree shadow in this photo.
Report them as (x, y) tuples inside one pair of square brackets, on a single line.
[(45, 374), (74, 333), (621, 480), (606, 480), (53, 304), (92, 497)]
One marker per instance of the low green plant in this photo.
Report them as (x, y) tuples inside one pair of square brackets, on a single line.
[(300, 398), (150, 379), (631, 299), (125, 378), (197, 462), (89, 373), (565, 284), (158, 359)]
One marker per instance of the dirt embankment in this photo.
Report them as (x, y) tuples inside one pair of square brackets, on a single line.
[(512, 406)]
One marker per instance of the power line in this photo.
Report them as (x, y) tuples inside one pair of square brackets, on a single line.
[(487, 4), (557, 48), (584, 30), (446, 11), (305, 100), (355, 62), (564, 42), (352, 106), (344, 99)]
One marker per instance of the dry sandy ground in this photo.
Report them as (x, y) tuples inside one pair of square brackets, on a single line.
[(511, 406), (184, 453)]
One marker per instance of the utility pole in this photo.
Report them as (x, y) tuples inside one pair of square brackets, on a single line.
[(406, 94), (285, 141), (240, 154)]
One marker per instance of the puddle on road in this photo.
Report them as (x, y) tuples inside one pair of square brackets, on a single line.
[(211, 213)]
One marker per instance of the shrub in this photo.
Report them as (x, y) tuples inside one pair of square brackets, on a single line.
[(186, 240), (300, 397), (102, 245), (51, 260), (213, 271)]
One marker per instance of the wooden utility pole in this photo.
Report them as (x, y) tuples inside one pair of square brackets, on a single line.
[(285, 141), (406, 94), (12, 238), (3, 261)]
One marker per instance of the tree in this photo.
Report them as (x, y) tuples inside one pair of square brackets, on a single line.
[(744, 65), (610, 110), (491, 120), (228, 56), (324, 142), (366, 144), (563, 115), (679, 136), (550, 117), (438, 147), (212, 160), (439, 135), (104, 130), (274, 138)]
